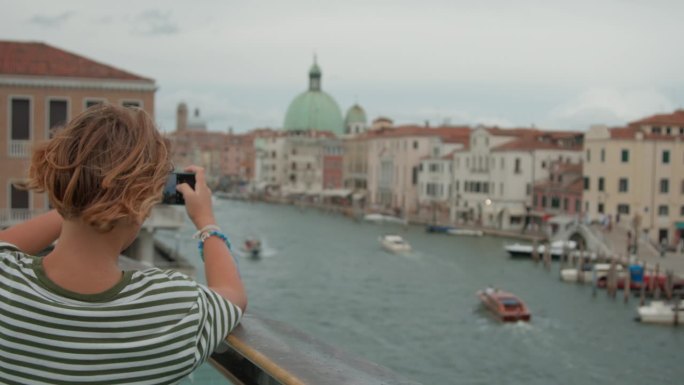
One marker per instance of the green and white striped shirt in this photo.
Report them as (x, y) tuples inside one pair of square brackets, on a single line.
[(153, 327)]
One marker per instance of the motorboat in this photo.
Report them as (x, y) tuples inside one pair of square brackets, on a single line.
[(394, 243), (661, 312), (380, 218), (586, 271), (557, 248), (468, 232), (252, 247), (505, 306), (438, 229)]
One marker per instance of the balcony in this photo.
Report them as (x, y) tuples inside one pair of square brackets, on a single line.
[(10, 217), (19, 149)]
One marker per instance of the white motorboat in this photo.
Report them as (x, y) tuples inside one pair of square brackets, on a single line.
[(557, 249), (379, 218), (469, 232), (661, 312), (602, 269), (394, 243)]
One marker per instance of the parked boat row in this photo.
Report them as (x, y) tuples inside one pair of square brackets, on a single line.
[(451, 230), (662, 312)]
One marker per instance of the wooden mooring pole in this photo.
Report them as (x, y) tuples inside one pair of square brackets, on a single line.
[(656, 284), (642, 291), (612, 279), (627, 284), (535, 252), (594, 281), (547, 256)]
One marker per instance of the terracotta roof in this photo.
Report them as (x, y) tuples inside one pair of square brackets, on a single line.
[(623, 132), (497, 131), (531, 143), (40, 59), (448, 133), (674, 119)]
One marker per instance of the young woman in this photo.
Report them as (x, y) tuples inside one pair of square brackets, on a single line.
[(74, 316)]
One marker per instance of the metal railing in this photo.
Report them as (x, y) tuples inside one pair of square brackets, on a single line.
[(19, 149), (10, 217)]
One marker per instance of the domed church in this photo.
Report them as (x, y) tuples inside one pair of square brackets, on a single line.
[(314, 109)]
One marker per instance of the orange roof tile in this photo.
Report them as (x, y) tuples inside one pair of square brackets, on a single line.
[(674, 119), (40, 59), (531, 143)]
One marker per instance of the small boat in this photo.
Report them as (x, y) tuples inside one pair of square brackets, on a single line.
[(438, 229), (505, 306), (469, 232), (252, 247), (394, 243), (602, 269), (661, 312), (525, 250), (379, 218)]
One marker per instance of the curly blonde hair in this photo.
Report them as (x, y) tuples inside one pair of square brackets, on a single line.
[(109, 163)]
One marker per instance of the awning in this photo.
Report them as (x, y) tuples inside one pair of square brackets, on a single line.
[(679, 225)]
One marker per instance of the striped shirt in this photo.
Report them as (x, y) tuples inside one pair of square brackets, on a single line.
[(153, 327)]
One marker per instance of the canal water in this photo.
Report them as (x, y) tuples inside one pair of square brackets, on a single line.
[(418, 315)]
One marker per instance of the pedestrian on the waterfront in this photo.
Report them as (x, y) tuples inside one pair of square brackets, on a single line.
[(73, 316), (663, 247), (629, 242)]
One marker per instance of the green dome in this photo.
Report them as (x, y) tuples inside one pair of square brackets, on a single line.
[(314, 110), (355, 114)]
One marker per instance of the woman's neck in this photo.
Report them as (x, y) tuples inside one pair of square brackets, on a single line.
[(84, 260)]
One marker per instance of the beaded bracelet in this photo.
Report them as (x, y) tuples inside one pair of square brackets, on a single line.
[(205, 236)]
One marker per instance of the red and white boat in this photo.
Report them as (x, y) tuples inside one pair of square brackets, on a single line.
[(505, 306)]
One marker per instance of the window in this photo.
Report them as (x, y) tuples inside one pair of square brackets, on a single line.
[(623, 185), (19, 199), (663, 211), (415, 144), (624, 155), (586, 183), (623, 209), (565, 204), (578, 205), (92, 102), (517, 166), (601, 184), (603, 155), (130, 103), (555, 202), (528, 189), (543, 201), (502, 163), (681, 211), (535, 200), (21, 119), (543, 164), (588, 156), (600, 208), (682, 187), (664, 186), (666, 156), (57, 115), (414, 178), (655, 130)]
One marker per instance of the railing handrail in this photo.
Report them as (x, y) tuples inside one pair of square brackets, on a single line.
[(263, 351)]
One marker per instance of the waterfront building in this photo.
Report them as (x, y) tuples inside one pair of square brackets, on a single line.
[(495, 174), (637, 172), (435, 181), (561, 192), (41, 88), (394, 158), (227, 158)]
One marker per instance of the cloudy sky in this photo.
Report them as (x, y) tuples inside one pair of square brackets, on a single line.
[(554, 64)]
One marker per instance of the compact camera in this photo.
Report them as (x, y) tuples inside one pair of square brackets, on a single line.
[(171, 196)]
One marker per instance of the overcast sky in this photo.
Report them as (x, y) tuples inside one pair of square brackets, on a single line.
[(554, 64)]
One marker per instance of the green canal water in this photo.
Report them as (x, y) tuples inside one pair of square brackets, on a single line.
[(417, 314)]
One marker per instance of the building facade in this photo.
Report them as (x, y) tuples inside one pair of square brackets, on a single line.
[(42, 88), (636, 174)]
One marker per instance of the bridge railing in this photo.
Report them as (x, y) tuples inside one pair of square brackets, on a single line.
[(267, 352)]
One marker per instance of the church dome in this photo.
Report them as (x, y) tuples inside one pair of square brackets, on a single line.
[(314, 109), (355, 115)]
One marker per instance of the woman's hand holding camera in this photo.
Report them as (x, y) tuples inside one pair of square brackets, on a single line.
[(198, 201)]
